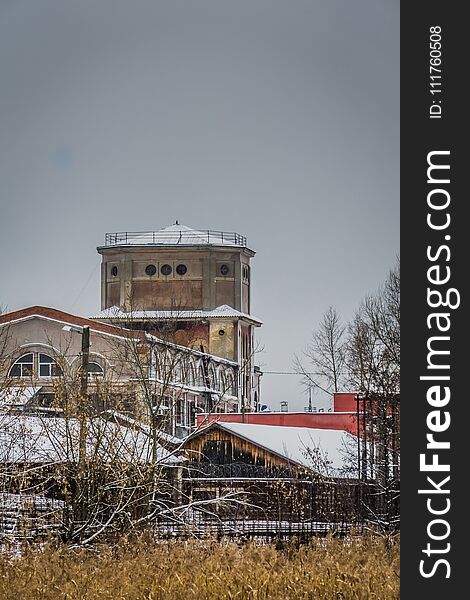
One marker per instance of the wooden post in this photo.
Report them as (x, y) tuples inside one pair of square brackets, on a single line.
[(84, 396)]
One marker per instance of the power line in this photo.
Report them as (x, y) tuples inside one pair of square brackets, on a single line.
[(92, 272), (289, 373)]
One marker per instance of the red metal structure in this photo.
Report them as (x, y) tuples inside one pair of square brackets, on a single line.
[(343, 417)]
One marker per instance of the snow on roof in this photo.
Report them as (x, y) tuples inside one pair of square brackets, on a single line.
[(162, 435), (175, 235), (323, 450), (18, 395), (221, 312), (37, 439)]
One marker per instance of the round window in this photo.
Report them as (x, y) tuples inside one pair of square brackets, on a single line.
[(181, 269), (114, 271), (224, 270), (221, 332), (150, 270), (166, 269)]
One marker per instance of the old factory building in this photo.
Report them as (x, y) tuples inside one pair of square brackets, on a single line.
[(175, 319), (192, 287)]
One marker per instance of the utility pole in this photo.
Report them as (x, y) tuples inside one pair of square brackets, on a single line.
[(83, 396)]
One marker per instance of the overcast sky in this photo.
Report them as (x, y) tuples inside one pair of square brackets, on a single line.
[(275, 119)]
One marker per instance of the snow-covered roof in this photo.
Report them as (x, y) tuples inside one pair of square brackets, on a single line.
[(162, 435), (18, 395), (175, 235), (322, 450), (221, 312), (37, 439)]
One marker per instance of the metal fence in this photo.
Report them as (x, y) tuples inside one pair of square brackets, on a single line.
[(26, 517), (175, 237), (247, 506)]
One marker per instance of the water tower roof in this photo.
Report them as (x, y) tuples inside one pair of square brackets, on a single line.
[(175, 235)]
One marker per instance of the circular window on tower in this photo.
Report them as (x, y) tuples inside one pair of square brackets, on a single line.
[(224, 270), (114, 271), (166, 270), (181, 269), (150, 270)]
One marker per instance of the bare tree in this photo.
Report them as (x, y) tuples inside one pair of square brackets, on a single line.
[(323, 363), (373, 360), (365, 356)]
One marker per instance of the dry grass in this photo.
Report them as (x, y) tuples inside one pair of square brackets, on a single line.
[(364, 568)]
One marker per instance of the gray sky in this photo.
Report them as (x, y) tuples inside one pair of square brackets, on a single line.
[(275, 119)]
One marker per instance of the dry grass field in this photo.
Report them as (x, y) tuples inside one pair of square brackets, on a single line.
[(358, 568)]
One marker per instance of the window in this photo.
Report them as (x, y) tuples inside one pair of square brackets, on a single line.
[(222, 383), (224, 270), (178, 374), (180, 412), (246, 273), (213, 377), (95, 370), (181, 269), (201, 376), (150, 270), (48, 367), (114, 271), (230, 385), (191, 376), (166, 270), (23, 367)]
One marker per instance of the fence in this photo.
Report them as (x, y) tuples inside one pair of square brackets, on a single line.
[(269, 507), (175, 237), (29, 517)]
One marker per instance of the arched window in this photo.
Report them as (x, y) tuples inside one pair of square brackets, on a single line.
[(95, 370), (48, 366), (191, 373), (165, 364), (230, 384), (201, 376), (178, 374), (213, 377), (222, 382), (23, 367)]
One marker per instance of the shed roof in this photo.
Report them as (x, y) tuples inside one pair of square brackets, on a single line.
[(323, 450)]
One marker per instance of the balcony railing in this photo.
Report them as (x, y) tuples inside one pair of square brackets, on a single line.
[(174, 238)]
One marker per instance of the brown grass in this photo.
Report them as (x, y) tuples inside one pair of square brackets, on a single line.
[(364, 568)]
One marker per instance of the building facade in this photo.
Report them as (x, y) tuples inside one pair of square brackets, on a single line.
[(130, 372), (189, 286)]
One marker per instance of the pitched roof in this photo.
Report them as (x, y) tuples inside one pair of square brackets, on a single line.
[(54, 314), (37, 439), (322, 450), (17, 395)]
